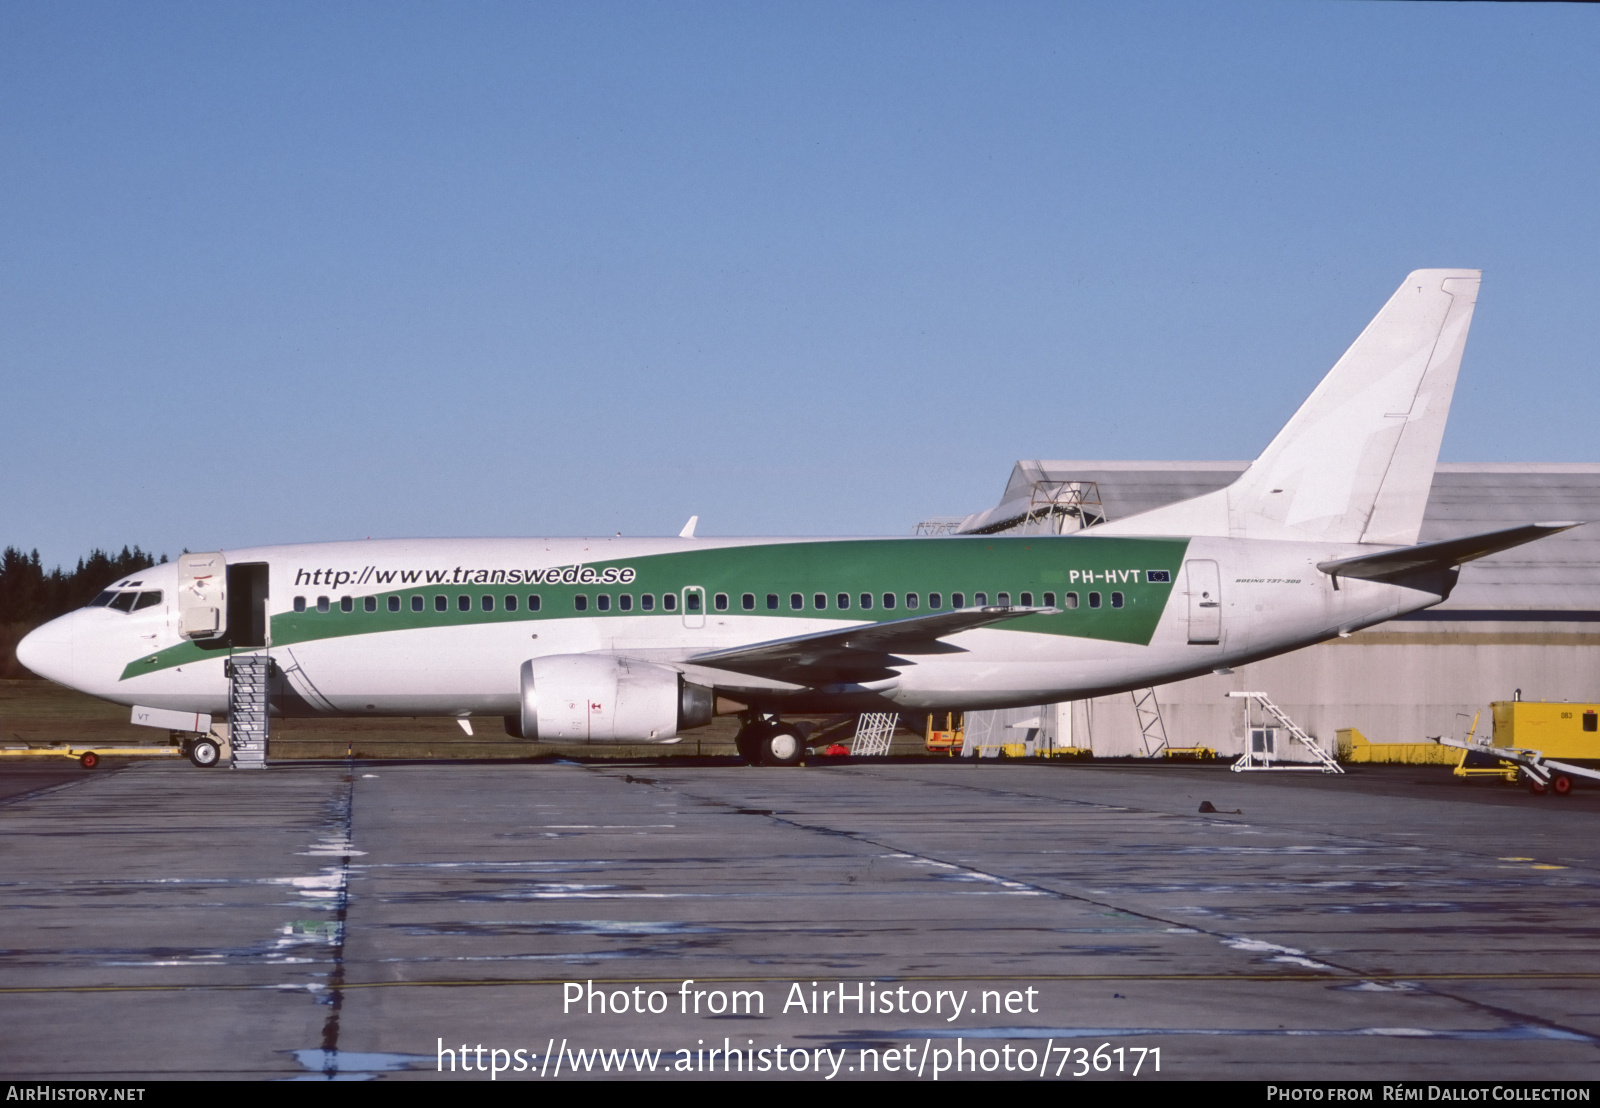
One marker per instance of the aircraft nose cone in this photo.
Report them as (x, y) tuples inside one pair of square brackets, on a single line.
[(47, 651)]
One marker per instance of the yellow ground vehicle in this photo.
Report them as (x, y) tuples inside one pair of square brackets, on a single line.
[(946, 732), (1546, 740)]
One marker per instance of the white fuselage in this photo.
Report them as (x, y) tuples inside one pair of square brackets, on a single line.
[(453, 657)]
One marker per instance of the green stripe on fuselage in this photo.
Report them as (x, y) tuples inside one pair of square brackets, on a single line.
[(947, 566)]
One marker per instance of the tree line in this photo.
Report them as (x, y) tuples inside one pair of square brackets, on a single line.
[(30, 596)]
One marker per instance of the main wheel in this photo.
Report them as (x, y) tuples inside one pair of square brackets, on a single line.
[(204, 753), (1537, 787), (1560, 784), (89, 759), (782, 745)]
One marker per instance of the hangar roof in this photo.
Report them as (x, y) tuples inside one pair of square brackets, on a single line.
[(1560, 573)]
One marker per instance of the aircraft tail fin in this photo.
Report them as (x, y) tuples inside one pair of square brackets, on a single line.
[(1356, 462)]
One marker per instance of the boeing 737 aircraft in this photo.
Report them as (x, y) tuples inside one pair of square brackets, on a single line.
[(631, 640)]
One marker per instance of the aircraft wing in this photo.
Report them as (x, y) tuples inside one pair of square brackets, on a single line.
[(865, 652), (1433, 555)]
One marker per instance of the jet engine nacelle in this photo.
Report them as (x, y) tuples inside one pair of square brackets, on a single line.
[(592, 698)]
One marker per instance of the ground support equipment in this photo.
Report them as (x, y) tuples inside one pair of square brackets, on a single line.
[(1542, 774)]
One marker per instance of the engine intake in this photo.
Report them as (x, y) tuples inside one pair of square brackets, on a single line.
[(592, 698)]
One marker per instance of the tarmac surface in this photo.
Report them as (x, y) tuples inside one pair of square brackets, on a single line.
[(361, 919)]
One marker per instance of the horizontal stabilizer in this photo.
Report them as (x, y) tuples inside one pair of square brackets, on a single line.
[(1434, 555), (863, 652)]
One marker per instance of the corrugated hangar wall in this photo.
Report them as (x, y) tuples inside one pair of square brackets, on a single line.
[(1526, 619)]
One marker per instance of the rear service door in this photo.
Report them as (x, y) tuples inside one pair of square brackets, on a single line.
[(1205, 601)]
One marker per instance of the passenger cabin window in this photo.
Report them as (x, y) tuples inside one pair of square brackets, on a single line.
[(866, 600), (772, 602), (370, 604), (511, 602), (441, 603), (935, 601), (958, 600), (888, 600), (1094, 600), (394, 603), (625, 602), (911, 600), (1116, 600), (416, 604), (533, 602), (580, 603), (147, 600), (748, 601), (347, 603), (721, 601), (843, 599), (488, 603), (1049, 600), (1026, 600), (819, 601), (1072, 600), (322, 604), (1003, 599), (691, 601), (464, 603), (980, 599), (299, 603), (648, 602), (796, 601), (603, 602), (669, 602)]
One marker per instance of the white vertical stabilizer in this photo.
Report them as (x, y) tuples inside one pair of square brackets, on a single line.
[(1355, 463)]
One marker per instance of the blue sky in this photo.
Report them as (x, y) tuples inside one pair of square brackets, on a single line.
[(290, 272)]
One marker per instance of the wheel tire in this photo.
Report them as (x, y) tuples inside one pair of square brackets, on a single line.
[(1537, 787), (1561, 784), (204, 753), (782, 745), (748, 742), (89, 759)]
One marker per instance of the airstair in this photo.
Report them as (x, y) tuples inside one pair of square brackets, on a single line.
[(1260, 740), (1151, 727), (874, 732), (248, 675)]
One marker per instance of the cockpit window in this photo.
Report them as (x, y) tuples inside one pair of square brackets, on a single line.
[(147, 600), (123, 602), (102, 600)]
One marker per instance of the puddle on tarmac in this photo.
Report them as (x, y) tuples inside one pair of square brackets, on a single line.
[(1521, 1032), (499, 928), (345, 1065)]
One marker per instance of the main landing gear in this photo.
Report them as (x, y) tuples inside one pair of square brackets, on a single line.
[(768, 741)]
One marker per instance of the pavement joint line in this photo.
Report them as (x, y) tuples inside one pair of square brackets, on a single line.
[(887, 979)]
